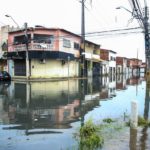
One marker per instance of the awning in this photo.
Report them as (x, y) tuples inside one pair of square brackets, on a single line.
[(40, 55)]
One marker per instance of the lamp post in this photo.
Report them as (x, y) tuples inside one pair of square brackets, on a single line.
[(12, 20), (144, 20)]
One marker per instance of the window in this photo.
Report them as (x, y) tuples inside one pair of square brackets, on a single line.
[(66, 43), (112, 58), (42, 38), (76, 46), (21, 39)]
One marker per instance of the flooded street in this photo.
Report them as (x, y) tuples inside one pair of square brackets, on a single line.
[(45, 115)]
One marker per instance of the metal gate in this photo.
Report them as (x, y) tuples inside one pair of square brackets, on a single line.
[(20, 67)]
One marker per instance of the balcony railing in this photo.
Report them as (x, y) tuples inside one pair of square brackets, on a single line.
[(33, 46)]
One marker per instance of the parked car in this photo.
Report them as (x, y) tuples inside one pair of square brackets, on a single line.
[(4, 76)]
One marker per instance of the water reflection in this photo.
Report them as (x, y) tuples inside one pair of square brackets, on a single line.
[(50, 105), (33, 107)]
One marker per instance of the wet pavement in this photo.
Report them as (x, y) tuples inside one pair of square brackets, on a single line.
[(44, 115)]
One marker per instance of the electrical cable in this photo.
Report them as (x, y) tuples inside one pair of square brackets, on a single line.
[(93, 34)]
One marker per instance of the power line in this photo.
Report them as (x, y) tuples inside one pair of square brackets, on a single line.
[(114, 32)]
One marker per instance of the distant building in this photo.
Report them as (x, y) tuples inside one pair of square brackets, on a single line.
[(134, 66), (143, 68), (109, 63), (121, 65)]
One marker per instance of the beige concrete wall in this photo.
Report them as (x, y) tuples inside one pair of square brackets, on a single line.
[(53, 69)]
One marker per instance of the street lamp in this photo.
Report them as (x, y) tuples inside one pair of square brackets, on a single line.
[(124, 8), (12, 19), (135, 15), (143, 20)]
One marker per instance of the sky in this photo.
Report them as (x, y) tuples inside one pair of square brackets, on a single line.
[(99, 16)]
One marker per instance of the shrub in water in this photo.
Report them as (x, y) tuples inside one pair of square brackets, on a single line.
[(89, 136)]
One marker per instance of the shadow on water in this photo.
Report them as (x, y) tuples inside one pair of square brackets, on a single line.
[(48, 107)]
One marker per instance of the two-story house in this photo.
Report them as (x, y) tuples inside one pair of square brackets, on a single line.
[(134, 66), (121, 65), (43, 53), (92, 59), (109, 63)]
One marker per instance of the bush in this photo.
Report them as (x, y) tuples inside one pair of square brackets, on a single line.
[(89, 136)]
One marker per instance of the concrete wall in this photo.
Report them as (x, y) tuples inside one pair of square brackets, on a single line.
[(53, 69), (112, 63), (11, 67)]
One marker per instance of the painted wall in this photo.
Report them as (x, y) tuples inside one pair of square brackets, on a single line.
[(72, 38), (11, 67), (112, 63), (53, 69)]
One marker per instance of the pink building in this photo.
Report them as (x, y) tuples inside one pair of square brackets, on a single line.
[(46, 48)]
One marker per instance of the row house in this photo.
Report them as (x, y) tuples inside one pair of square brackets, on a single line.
[(134, 65), (49, 53), (129, 66), (109, 61), (121, 65), (92, 59)]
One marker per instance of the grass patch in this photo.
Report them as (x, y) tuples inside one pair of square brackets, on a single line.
[(91, 136), (141, 122), (108, 120)]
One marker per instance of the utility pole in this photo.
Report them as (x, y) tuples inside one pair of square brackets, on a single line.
[(147, 53), (147, 39), (82, 47), (27, 53)]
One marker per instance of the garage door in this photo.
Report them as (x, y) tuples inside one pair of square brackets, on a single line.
[(20, 67)]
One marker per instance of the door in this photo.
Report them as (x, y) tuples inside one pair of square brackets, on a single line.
[(20, 67)]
